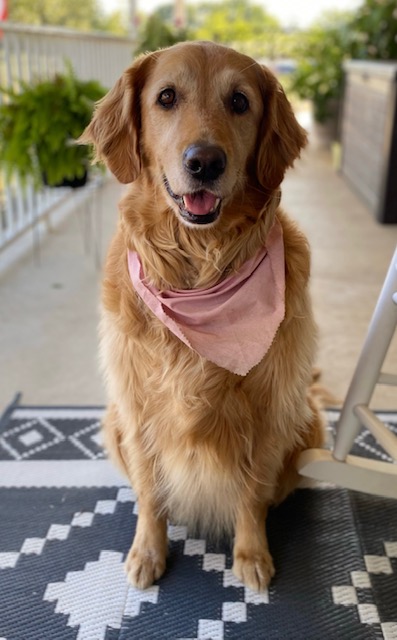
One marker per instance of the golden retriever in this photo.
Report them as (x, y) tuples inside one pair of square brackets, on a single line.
[(207, 431)]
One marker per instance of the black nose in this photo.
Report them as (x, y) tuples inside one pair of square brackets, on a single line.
[(205, 162)]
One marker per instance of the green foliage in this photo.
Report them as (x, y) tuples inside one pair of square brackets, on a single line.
[(166, 13), (375, 31), (114, 22), (39, 124), (157, 34), (320, 55), (73, 14), (233, 21), (370, 33), (239, 23)]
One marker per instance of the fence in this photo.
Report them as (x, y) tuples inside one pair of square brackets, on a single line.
[(28, 53)]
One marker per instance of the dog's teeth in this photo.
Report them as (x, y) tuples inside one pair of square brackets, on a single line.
[(214, 208)]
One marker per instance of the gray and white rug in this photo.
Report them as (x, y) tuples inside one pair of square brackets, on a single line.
[(67, 520)]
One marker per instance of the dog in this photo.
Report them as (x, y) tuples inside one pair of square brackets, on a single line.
[(207, 332)]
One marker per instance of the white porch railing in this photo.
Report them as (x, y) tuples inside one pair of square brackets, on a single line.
[(28, 53)]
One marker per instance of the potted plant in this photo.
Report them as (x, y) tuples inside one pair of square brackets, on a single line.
[(39, 123), (319, 73)]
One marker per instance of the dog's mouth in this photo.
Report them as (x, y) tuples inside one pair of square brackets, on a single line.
[(200, 207)]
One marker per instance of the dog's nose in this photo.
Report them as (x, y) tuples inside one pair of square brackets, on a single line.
[(204, 161)]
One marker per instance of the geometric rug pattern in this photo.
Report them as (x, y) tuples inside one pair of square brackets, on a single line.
[(67, 520)]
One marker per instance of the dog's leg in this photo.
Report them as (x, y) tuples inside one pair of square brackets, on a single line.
[(146, 559), (253, 564)]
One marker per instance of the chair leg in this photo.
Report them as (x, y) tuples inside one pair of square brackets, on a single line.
[(366, 375)]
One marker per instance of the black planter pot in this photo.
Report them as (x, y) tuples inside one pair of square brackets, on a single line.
[(74, 183)]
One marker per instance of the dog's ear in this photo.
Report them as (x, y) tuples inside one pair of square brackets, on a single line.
[(115, 127), (281, 137)]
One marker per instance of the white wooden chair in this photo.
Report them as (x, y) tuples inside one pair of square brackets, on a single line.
[(338, 467)]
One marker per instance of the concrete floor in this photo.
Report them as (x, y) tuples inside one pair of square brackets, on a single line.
[(49, 312), (351, 253)]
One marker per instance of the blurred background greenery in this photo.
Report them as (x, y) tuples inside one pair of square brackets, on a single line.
[(308, 60)]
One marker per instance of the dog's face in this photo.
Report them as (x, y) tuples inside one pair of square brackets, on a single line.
[(200, 120), (200, 117)]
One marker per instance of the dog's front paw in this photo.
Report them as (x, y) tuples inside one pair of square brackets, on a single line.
[(255, 570), (144, 566)]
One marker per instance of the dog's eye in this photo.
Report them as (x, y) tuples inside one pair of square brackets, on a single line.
[(240, 102), (167, 98)]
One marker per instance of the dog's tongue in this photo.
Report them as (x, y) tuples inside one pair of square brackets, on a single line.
[(200, 203)]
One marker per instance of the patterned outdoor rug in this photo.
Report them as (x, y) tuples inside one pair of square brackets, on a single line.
[(67, 520)]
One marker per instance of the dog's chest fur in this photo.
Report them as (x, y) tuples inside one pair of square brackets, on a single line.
[(207, 431), (207, 435)]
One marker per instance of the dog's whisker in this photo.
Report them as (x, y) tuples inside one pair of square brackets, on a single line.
[(253, 64)]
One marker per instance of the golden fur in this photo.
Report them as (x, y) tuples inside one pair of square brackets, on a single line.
[(200, 445)]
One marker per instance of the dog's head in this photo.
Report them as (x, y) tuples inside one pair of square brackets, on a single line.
[(200, 121)]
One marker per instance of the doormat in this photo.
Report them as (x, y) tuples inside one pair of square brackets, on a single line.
[(67, 521)]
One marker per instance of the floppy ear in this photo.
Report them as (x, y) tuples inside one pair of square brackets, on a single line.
[(281, 137), (115, 127)]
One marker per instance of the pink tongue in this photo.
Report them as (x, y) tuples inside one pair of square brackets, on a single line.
[(200, 204)]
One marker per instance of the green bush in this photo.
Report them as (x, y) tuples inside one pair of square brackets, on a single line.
[(375, 31), (39, 123), (370, 33), (320, 56), (157, 34)]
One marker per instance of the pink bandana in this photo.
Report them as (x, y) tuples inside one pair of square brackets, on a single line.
[(233, 323)]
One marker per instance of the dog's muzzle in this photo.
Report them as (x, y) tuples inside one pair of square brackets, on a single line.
[(204, 163)]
